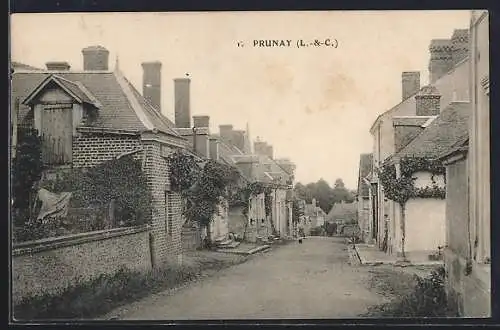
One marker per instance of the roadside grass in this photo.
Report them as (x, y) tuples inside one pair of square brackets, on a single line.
[(411, 295), (91, 299)]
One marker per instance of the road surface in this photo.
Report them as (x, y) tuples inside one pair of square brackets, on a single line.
[(309, 280)]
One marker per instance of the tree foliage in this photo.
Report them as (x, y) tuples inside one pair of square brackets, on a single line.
[(203, 184), (26, 168), (325, 195)]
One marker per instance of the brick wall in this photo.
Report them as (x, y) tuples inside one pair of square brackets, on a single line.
[(167, 244), (92, 149), (50, 265)]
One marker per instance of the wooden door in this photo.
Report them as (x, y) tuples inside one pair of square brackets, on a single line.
[(57, 134)]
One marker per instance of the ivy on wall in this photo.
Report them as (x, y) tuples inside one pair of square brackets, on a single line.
[(121, 181), (401, 189), (203, 184)]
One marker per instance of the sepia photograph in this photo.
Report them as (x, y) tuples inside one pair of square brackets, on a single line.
[(249, 165)]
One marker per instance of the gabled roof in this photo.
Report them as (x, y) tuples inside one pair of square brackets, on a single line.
[(365, 167), (122, 107), (443, 86), (75, 89), (343, 211), (442, 134)]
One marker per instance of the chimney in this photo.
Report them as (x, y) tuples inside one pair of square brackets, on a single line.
[(151, 83), (201, 121), (410, 81), (269, 151), (427, 101), (441, 59), (260, 147), (58, 66), (214, 148), (460, 45), (226, 132), (182, 96), (95, 58)]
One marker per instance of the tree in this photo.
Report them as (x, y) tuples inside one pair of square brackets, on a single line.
[(304, 192), (26, 171), (324, 195), (340, 192)]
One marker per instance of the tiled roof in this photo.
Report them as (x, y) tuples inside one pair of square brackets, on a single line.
[(343, 211), (310, 209), (122, 107), (410, 121), (443, 133), (22, 66), (365, 167), (444, 86)]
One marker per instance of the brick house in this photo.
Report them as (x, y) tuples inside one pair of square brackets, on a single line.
[(467, 255), (449, 71), (91, 116), (363, 197)]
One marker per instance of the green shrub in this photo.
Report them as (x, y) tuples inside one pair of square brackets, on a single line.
[(427, 299)]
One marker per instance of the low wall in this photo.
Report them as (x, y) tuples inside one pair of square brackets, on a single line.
[(470, 293), (50, 265)]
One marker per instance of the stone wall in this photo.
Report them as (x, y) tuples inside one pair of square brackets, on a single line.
[(50, 265)]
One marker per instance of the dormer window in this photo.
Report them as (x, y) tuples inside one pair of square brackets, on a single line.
[(59, 106)]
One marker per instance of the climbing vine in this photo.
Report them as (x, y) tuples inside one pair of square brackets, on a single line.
[(403, 188), (203, 184)]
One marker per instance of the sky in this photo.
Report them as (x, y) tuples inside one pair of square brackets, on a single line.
[(315, 105)]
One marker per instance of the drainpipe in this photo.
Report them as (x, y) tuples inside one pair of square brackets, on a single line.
[(194, 139)]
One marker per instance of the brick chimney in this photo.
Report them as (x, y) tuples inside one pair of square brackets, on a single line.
[(441, 58), (427, 101), (182, 98), (58, 66), (226, 132), (95, 58), (201, 121), (151, 83), (460, 45), (410, 81)]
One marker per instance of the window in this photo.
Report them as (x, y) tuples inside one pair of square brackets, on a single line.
[(168, 212)]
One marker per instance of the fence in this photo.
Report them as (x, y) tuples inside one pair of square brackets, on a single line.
[(50, 265)]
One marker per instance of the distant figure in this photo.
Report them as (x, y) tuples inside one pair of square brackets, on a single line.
[(301, 233)]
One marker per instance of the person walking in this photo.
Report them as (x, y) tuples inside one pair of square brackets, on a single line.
[(301, 232)]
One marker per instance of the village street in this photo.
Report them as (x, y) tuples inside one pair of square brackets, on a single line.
[(309, 280)]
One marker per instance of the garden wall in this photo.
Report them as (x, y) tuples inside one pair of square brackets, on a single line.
[(50, 265)]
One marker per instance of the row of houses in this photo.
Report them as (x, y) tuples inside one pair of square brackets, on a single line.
[(438, 137), (90, 116)]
